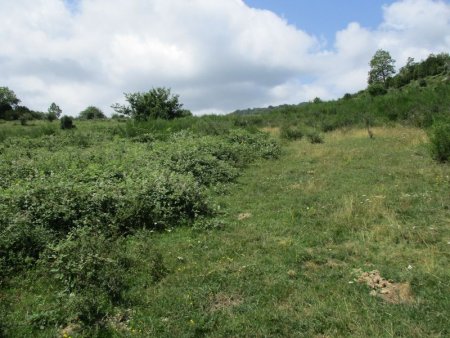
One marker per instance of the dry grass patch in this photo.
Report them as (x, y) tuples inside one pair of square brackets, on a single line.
[(223, 301), (273, 131)]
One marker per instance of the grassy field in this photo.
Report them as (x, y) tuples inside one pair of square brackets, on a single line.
[(297, 235)]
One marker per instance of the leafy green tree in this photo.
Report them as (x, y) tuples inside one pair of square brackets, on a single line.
[(8, 101), (91, 113), (154, 104), (54, 110), (381, 68)]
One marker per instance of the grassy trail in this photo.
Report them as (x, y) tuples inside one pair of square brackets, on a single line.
[(300, 230)]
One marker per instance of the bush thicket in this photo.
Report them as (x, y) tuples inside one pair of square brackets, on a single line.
[(440, 141)]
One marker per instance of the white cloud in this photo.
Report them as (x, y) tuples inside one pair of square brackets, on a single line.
[(218, 55)]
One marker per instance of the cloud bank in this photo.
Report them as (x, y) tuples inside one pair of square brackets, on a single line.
[(218, 55)]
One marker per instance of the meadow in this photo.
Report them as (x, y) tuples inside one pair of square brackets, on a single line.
[(324, 219)]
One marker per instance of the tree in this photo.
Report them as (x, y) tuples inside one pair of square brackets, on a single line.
[(156, 103), (8, 101), (381, 68), (54, 110), (91, 113)]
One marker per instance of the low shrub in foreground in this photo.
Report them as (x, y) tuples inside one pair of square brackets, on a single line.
[(43, 213), (91, 271)]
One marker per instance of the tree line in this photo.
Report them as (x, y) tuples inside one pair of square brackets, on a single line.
[(157, 103)]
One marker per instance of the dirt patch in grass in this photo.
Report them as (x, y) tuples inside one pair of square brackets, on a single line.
[(223, 301), (244, 215), (388, 290)]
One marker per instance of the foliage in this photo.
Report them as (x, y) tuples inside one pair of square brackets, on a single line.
[(91, 113), (433, 65), (376, 89), (24, 118), (57, 182), (381, 68), (67, 122), (8, 100), (291, 132), (167, 200), (54, 110), (314, 137), (313, 217), (317, 100), (440, 141), (156, 103), (94, 219), (51, 116), (91, 270)]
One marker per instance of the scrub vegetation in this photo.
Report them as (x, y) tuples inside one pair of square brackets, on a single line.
[(328, 218)]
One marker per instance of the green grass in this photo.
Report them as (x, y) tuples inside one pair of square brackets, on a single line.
[(296, 230)]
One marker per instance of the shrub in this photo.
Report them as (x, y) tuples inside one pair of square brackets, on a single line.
[(440, 141), (422, 83), (67, 122), (377, 89), (20, 245), (206, 168), (258, 144), (167, 199), (24, 118), (200, 157), (91, 271), (291, 132), (143, 138), (314, 137), (328, 125)]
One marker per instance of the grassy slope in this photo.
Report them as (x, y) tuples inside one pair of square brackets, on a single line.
[(313, 216), (317, 214)]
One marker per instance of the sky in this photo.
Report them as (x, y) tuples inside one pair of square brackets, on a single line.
[(218, 55)]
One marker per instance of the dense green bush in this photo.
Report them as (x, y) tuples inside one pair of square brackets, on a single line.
[(377, 89), (55, 183), (440, 141), (167, 199), (291, 132), (91, 271), (201, 157), (258, 144), (67, 122)]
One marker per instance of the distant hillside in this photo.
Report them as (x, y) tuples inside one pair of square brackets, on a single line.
[(418, 95)]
